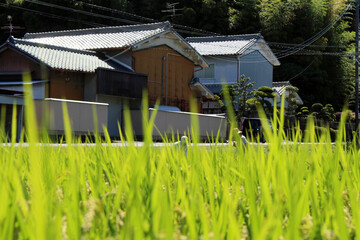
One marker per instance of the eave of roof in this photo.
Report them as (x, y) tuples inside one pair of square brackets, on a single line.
[(117, 37), (99, 30), (223, 45), (58, 57), (233, 45)]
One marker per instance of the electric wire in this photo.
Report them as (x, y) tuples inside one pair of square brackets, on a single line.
[(290, 51), (304, 70), (50, 15), (141, 18), (183, 29), (81, 11), (293, 49), (315, 37)]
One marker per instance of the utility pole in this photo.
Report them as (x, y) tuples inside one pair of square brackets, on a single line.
[(357, 67), (171, 8), (11, 28), (9, 18)]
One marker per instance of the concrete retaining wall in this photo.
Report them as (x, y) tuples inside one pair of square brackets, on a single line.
[(49, 113), (168, 123)]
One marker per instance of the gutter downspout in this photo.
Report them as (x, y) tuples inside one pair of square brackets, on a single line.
[(238, 68), (198, 70)]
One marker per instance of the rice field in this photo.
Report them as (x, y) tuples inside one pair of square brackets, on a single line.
[(282, 191)]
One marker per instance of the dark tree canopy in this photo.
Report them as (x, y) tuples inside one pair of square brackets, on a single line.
[(320, 77)]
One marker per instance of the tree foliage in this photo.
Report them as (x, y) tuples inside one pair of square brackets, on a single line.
[(239, 93), (291, 98), (294, 22), (282, 23), (325, 113), (263, 95), (243, 90)]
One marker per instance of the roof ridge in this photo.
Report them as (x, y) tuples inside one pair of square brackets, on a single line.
[(85, 31), (53, 47), (281, 84), (248, 45), (225, 37)]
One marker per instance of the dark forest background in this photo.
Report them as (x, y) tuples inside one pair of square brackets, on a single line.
[(322, 70)]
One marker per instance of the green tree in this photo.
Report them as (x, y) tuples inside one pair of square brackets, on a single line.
[(303, 113), (243, 89), (244, 16), (294, 22), (291, 98), (252, 104), (325, 113), (239, 93), (263, 95), (232, 95)]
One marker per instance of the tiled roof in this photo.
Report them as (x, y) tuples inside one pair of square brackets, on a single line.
[(280, 87), (100, 38), (223, 45), (60, 58)]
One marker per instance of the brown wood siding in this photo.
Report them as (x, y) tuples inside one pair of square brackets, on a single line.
[(180, 72), (11, 61), (66, 85)]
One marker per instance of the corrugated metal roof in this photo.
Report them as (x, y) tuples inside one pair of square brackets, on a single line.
[(100, 38), (223, 45), (60, 58), (280, 87)]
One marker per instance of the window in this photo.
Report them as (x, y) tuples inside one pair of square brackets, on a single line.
[(207, 72)]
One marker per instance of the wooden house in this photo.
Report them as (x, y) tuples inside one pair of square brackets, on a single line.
[(111, 65), (155, 50), (63, 73)]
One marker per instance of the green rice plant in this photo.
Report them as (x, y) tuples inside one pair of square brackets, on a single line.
[(285, 189)]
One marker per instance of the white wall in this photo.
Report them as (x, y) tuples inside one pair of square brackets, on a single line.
[(50, 115), (168, 123), (38, 89)]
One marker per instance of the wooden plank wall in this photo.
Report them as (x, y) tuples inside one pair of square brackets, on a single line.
[(66, 85), (180, 71), (11, 61)]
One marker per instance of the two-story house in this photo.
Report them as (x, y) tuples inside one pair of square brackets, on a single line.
[(231, 56)]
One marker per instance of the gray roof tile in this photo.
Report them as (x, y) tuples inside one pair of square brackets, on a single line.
[(223, 45), (100, 38), (61, 58), (280, 87)]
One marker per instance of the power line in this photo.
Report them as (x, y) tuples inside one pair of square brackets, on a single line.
[(291, 51), (81, 11), (288, 45), (93, 6), (315, 37), (178, 27), (306, 68), (50, 15)]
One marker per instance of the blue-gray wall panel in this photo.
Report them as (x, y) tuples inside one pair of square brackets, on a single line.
[(253, 65)]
